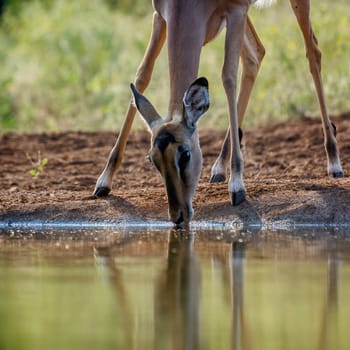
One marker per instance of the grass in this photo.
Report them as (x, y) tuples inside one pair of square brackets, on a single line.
[(68, 64)]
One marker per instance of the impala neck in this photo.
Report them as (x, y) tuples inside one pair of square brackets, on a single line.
[(186, 35)]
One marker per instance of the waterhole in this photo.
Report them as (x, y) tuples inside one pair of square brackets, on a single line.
[(141, 288)]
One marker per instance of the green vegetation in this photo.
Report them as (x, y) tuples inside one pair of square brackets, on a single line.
[(68, 64), (37, 165)]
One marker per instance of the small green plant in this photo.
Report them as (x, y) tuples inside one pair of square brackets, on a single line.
[(37, 165)]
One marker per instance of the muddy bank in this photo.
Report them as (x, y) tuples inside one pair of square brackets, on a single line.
[(285, 177)]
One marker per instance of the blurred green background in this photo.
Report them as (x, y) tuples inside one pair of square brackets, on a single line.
[(68, 64)]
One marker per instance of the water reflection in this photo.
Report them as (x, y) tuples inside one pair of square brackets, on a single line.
[(239, 334), (329, 322), (109, 271), (177, 296), (180, 317), (178, 290)]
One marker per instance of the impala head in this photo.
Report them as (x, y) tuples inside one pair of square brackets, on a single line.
[(175, 150)]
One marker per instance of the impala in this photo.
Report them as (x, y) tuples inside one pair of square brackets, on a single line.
[(187, 25)]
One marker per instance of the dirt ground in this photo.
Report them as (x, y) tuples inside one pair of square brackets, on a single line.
[(285, 177)]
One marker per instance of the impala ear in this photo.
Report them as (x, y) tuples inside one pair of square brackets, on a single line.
[(196, 101), (146, 109)]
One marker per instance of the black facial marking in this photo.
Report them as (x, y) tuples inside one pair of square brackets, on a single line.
[(171, 190), (162, 141)]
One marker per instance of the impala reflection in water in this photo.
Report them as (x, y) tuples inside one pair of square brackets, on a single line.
[(175, 290)]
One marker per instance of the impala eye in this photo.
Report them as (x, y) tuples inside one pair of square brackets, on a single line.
[(185, 155), (184, 158)]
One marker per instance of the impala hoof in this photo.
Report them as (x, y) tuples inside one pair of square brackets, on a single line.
[(237, 197), (335, 171), (217, 178), (101, 192), (337, 174)]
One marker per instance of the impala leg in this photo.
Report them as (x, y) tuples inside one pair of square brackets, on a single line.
[(236, 23), (301, 9), (252, 54), (142, 79)]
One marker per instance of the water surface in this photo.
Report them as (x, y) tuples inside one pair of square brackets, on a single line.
[(174, 290)]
